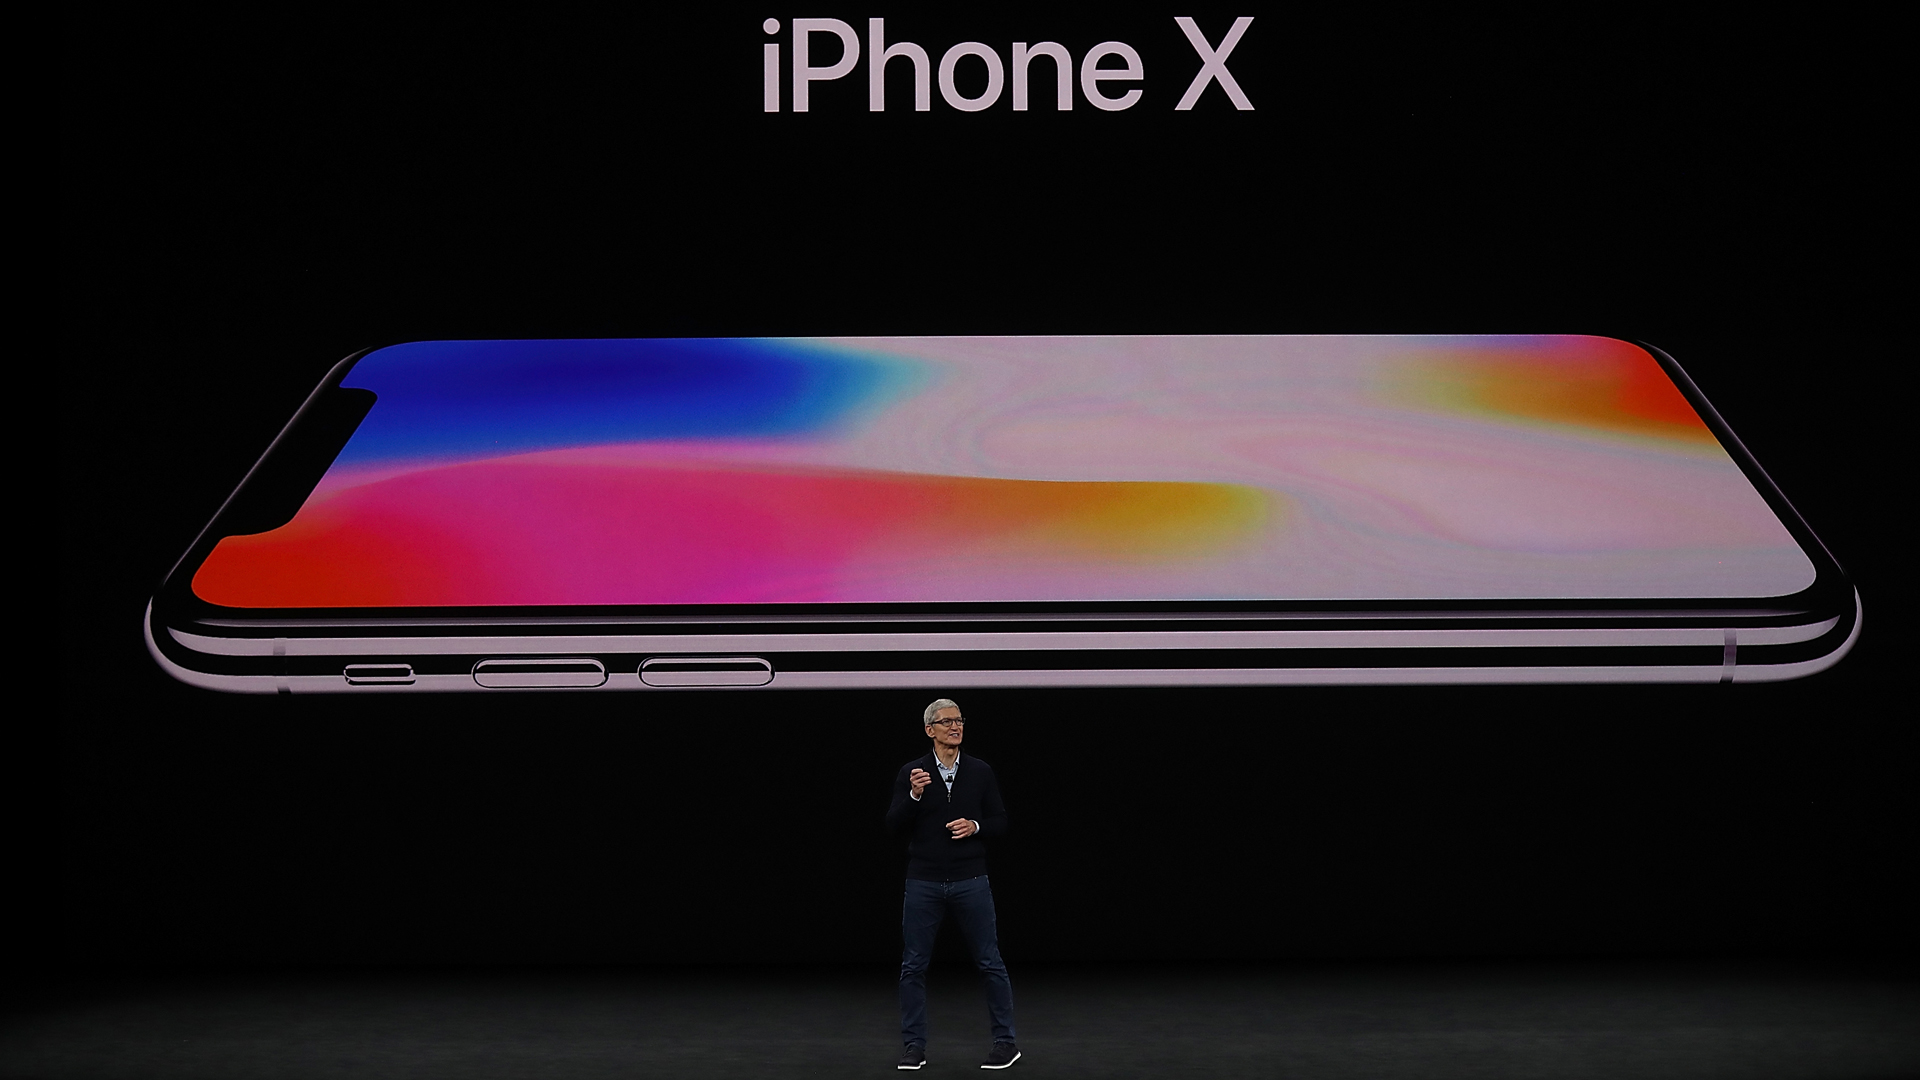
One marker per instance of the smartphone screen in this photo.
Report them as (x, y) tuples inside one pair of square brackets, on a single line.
[(1015, 470)]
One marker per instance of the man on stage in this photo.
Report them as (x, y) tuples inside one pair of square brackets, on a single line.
[(947, 805)]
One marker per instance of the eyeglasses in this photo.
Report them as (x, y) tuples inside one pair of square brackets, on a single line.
[(958, 721)]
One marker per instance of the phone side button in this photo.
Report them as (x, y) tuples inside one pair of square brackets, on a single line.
[(706, 671), (379, 674), (541, 673)]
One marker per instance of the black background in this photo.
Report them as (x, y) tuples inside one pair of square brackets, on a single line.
[(251, 195)]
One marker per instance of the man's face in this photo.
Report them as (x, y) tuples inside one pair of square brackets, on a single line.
[(946, 729)]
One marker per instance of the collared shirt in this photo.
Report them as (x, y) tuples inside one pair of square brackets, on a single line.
[(947, 773)]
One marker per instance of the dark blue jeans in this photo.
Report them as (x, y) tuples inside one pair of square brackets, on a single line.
[(971, 903)]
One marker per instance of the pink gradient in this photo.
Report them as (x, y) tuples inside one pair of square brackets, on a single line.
[(517, 531)]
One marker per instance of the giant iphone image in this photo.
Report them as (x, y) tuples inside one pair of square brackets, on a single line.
[(1001, 511)]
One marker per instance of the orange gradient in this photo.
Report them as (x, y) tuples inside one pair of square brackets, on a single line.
[(1578, 382)]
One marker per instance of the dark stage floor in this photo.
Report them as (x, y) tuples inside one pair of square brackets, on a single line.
[(1434, 1021)]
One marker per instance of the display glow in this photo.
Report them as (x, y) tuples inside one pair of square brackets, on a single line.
[(758, 471)]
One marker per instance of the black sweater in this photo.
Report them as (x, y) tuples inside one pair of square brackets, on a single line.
[(932, 852)]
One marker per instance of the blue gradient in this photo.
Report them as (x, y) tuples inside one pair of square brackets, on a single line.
[(464, 399)]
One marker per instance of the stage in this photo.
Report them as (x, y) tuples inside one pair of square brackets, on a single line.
[(545, 886), (1428, 1021)]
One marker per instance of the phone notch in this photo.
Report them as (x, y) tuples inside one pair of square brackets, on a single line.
[(543, 673), (706, 671)]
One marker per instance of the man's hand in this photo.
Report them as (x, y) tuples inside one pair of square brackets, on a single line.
[(919, 778), (961, 828)]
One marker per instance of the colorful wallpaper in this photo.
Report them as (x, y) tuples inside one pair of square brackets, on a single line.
[(1016, 469)]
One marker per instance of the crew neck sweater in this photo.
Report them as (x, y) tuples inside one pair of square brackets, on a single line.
[(932, 852)]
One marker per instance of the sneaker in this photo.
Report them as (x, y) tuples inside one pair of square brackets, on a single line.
[(1003, 1055), (914, 1058)]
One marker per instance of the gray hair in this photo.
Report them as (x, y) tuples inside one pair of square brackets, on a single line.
[(934, 709)]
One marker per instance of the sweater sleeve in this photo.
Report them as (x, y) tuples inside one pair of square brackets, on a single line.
[(904, 809)]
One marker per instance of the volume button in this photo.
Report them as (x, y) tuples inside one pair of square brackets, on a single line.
[(379, 674), (706, 671), (539, 673)]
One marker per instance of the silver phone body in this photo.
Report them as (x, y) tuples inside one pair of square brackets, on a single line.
[(1542, 640)]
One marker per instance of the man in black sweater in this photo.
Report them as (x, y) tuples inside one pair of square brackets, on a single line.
[(947, 806)]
